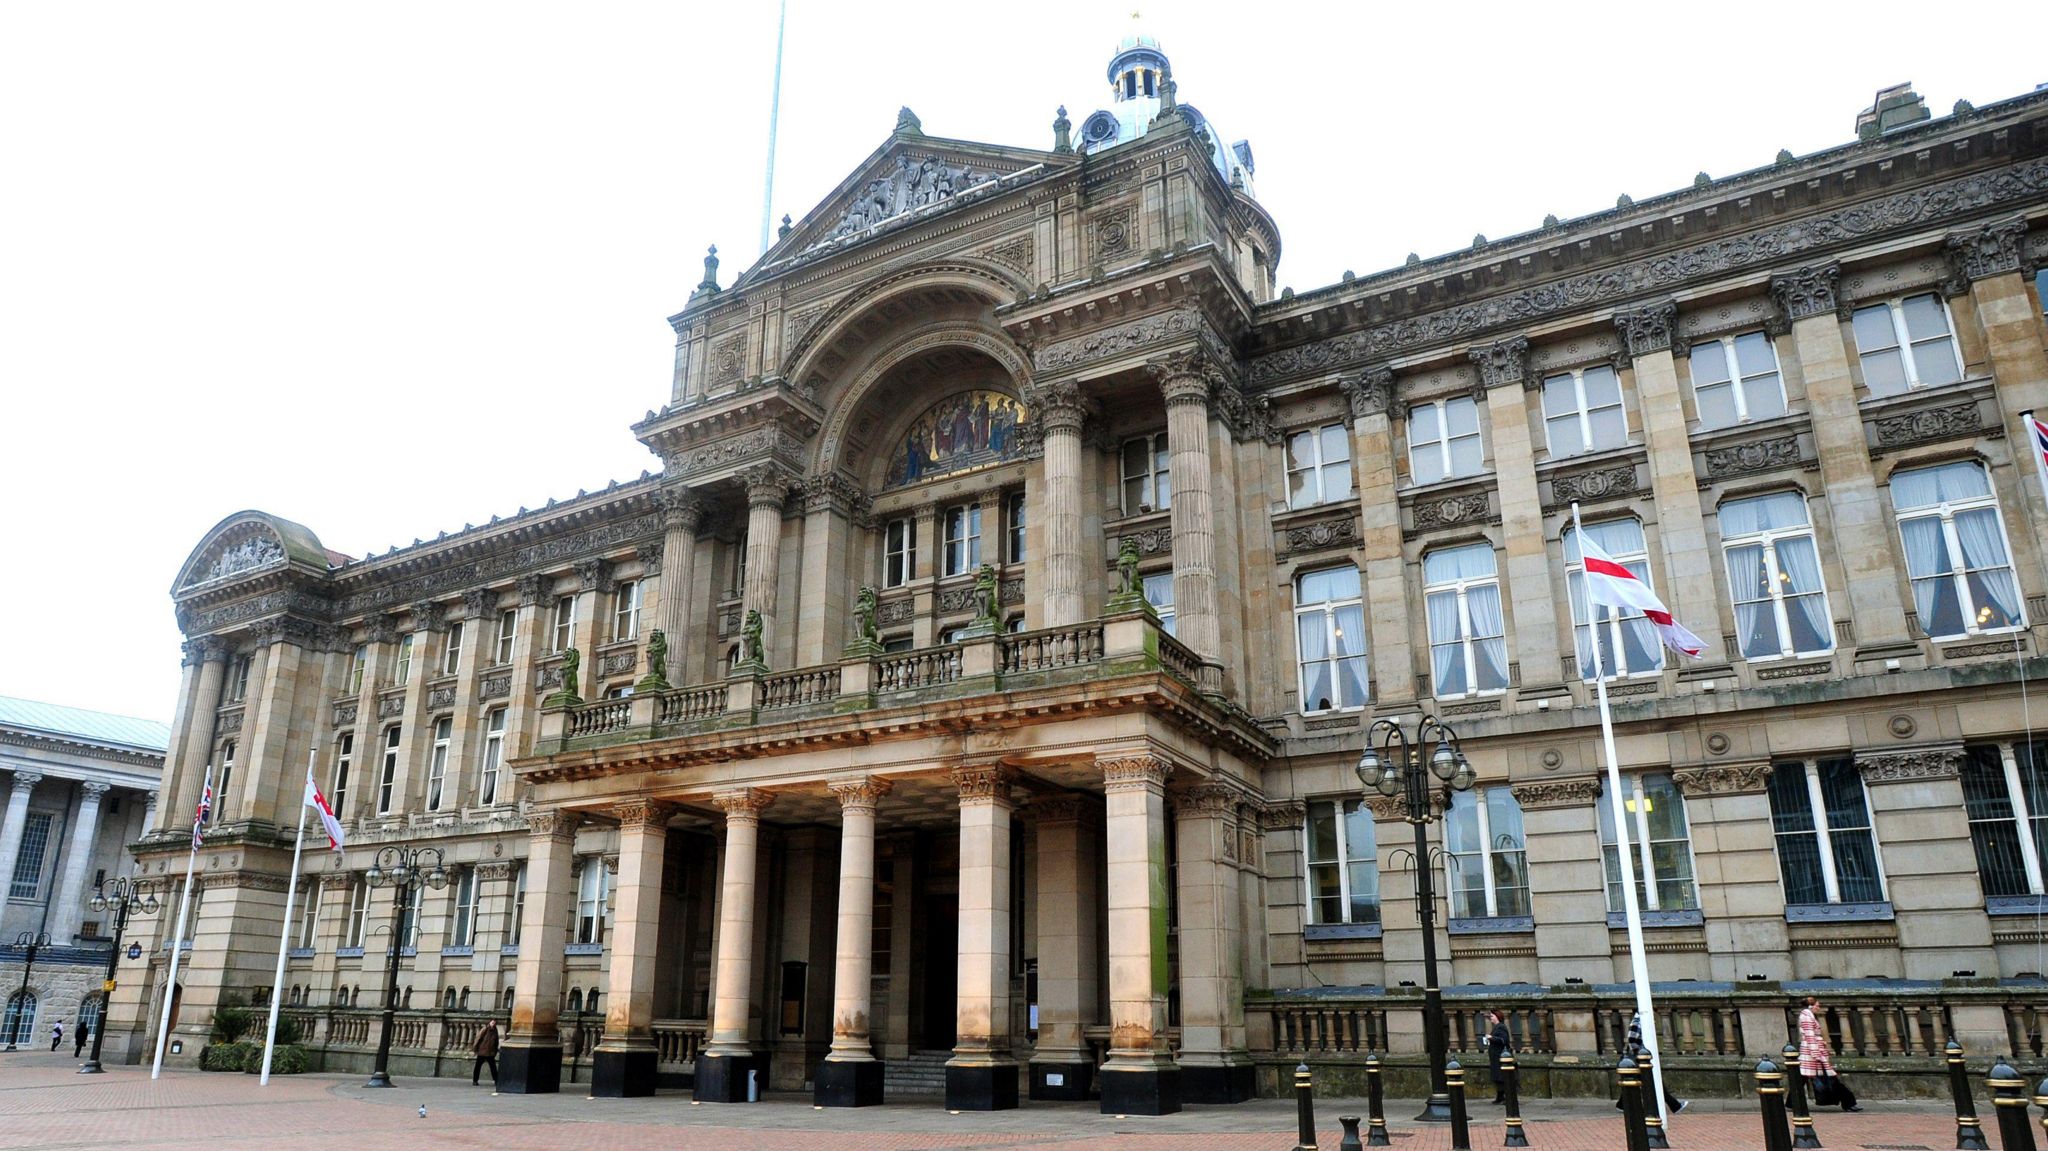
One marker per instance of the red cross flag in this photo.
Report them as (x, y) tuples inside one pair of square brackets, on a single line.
[(318, 803), (1609, 584)]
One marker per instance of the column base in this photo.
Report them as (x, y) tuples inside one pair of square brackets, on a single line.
[(1217, 1083), (529, 1069), (1140, 1090), (981, 1087), (1062, 1080), (723, 1078), (625, 1073), (848, 1083)]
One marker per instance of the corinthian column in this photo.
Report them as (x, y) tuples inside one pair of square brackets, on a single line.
[(723, 1065), (1140, 1076), (851, 1076), (681, 512), (16, 821), (70, 904), (767, 487), (1061, 411), (980, 1076), (1185, 380)]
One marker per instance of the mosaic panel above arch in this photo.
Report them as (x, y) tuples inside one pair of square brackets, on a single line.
[(964, 431)]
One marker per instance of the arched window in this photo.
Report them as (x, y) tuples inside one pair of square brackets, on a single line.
[(575, 1000), (18, 1025), (463, 1002), (1956, 553), (507, 997), (89, 1014), (590, 1002), (448, 999)]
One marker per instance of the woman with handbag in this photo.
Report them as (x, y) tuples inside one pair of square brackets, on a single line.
[(1817, 1063), (1498, 1043)]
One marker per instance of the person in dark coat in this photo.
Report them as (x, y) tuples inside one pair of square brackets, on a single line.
[(486, 1051), (1633, 1048), (1498, 1043)]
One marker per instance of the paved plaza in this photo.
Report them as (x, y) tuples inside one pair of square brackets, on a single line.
[(46, 1106)]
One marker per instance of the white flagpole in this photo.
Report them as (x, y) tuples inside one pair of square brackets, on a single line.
[(1639, 965), (163, 1026), (284, 936), (774, 115)]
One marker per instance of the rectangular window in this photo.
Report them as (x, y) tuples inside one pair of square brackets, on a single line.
[(356, 666), (626, 612), (963, 539), (309, 911), (1343, 863), (1735, 378), (565, 623), (1486, 854), (590, 895), (1906, 344), (1468, 647), (221, 790), (344, 756), (494, 756), (1781, 604), (2005, 793), (1329, 627), (437, 762), (517, 927), (1443, 440), (1827, 852), (899, 552), (1147, 474), (358, 913), (463, 931), (389, 778), (1159, 593), (409, 919), (451, 652), (1659, 843), (1319, 466), (26, 882), (1629, 644), (403, 672), (1013, 518), (508, 629), (238, 679), (1582, 411), (1956, 553)]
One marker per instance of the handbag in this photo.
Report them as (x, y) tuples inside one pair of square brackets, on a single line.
[(1826, 1088)]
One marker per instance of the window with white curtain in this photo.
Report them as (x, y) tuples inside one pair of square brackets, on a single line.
[(1443, 440), (1318, 466), (437, 762), (1329, 627), (1468, 650), (494, 756), (1956, 553), (463, 933), (1827, 852), (2005, 793), (626, 611), (899, 551), (1158, 588), (1582, 411), (1905, 344), (1735, 378), (1486, 854), (1343, 863), (358, 913), (1781, 602), (508, 630), (451, 650), (1629, 644), (1147, 474), (963, 539), (1660, 846), (590, 893)]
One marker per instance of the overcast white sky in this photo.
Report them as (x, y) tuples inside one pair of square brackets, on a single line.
[(386, 268)]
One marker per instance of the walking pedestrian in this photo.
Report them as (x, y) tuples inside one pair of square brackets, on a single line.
[(486, 1051), (1817, 1061), (1633, 1048), (1498, 1043), (56, 1034), (78, 1044)]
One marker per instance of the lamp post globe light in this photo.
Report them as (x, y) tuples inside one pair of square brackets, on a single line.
[(126, 894), (1396, 767), (30, 942), (404, 869)]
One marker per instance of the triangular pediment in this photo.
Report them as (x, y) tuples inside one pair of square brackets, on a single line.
[(910, 174)]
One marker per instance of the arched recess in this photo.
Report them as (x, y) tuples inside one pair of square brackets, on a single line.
[(819, 347), (851, 424)]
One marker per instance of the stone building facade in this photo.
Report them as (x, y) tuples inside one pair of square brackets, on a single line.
[(1028, 570)]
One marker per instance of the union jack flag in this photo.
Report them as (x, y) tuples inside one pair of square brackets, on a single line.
[(2040, 437), (199, 817)]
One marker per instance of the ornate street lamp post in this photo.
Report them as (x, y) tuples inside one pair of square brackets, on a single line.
[(403, 869), (32, 942), (126, 894), (1409, 770)]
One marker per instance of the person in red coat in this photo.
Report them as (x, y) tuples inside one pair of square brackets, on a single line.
[(1817, 1062)]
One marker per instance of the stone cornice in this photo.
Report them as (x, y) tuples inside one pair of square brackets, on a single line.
[(55, 744)]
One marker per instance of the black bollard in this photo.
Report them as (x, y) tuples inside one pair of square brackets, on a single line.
[(1969, 1132), (1376, 1112), (1770, 1093), (1511, 1088), (1635, 1137), (1803, 1134), (1653, 1109), (1305, 1105), (1461, 1127), (1350, 1142), (2041, 1101), (2009, 1098)]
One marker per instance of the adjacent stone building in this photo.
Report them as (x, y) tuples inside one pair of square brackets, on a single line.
[(1028, 569)]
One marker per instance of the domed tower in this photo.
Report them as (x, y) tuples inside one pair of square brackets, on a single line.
[(1138, 75)]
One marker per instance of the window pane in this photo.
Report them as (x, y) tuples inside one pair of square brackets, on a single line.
[(1753, 354), (1327, 584), (1925, 317), (1609, 428), (1336, 443), (1468, 456), (1301, 450), (1564, 435), (1425, 425), (1764, 396), (1799, 866), (1461, 416), (1856, 867), (1841, 790), (1322, 832), (1884, 373), (1873, 328), (1934, 362), (1709, 363), (1790, 808), (1716, 404), (1602, 387)]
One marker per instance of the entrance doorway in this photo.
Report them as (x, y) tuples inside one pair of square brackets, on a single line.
[(941, 971)]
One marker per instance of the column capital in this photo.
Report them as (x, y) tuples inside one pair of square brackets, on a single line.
[(767, 485), (1212, 800), (1128, 772), (1186, 377), (149, 800), (834, 492), (494, 869), (641, 814), (1575, 792), (94, 792), (25, 780), (1648, 328), (650, 556), (1064, 807), (533, 590), (594, 575), (1370, 392), (861, 794), (984, 783), (1991, 250), (1059, 405), (1809, 291), (1723, 779), (429, 616), (682, 509), (479, 602), (205, 648), (1502, 363), (743, 805), (1910, 764), (382, 629), (556, 825), (1283, 815)]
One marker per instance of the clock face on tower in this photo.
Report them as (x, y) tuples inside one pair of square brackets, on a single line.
[(1098, 129)]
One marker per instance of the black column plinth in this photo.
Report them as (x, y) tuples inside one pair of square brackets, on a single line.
[(1075, 1080), (1231, 1083), (622, 1074), (1152, 1091), (723, 1078), (981, 1087), (848, 1083), (525, 1070)]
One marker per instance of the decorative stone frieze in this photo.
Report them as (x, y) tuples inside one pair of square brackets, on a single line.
[(1133, 771), (1451, 511), (1503, 363), (1283, 815), (391, 705), (1928, 425), (344, 714), (1991, 250), (452, 575), (1754, 456), (1723, 779), (1809, 291), (1910, 764), (1130, 336), (1647, 329), (862, 794), (1319, 535), (494, 869), (1576, 792), (441, 697), (1607, 483), (495, 686), (1155, 540)]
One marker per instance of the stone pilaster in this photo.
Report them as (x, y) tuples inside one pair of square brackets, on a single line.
[(624, 1063), (1069, 890), (1140, 1076), (824, 615), (1061, 412), (69, 909), (1532, 591), (851, 1076), (1186, 382), (1369, 397), (723, 1066), (981, 1076), (1736, 867), (1991, 260), (532, 1056), (682, 512), (194, 737), (1215, 1067), (1930, 871), (767, 487)]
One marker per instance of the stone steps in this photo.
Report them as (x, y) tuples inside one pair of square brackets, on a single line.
[(923, 1073)]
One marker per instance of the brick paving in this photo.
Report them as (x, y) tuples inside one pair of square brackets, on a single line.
[(46, 1106)]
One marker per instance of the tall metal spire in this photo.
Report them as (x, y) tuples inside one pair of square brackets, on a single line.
[(774, 114)]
